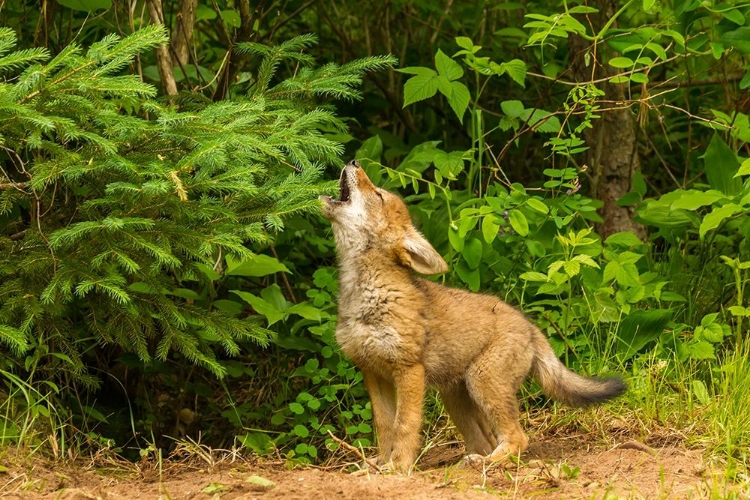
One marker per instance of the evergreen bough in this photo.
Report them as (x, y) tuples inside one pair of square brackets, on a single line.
[(116, 207)]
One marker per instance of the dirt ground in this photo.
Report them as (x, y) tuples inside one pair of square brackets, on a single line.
[(560, 467)]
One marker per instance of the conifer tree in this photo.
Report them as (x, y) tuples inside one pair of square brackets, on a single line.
[(115, 207)]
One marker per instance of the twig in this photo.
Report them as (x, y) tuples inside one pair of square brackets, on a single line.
[(354, 450)]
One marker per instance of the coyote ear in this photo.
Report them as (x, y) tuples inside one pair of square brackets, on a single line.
[(420, 256)]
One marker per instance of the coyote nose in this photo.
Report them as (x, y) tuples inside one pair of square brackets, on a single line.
[(353, 163)]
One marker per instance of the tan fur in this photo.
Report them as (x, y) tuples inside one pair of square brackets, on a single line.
[(406, 333)]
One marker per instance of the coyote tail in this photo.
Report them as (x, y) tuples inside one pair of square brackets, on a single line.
[(568, 387)]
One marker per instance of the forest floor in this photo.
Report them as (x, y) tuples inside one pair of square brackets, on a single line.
[(569, 466)]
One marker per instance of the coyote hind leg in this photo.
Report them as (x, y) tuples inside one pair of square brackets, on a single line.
[(469, 420), (493, 381)]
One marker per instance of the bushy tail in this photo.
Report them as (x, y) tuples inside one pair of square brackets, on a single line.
[(565, 386)]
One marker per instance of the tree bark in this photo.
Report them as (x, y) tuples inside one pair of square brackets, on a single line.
[(613, 141), (182, 36), (163, 59)]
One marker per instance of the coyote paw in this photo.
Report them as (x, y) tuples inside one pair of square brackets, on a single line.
[(474, 460)]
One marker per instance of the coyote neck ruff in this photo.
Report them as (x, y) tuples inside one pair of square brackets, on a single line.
[(405, 332)]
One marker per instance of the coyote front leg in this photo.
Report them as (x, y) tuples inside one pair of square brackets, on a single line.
[(410, 386), (383, 401)]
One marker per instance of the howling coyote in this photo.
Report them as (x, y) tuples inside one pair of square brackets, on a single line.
[(405, 332)]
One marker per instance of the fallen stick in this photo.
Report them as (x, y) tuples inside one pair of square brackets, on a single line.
[(354, 450)]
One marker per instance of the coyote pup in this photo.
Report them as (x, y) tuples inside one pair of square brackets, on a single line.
[(405, 332)]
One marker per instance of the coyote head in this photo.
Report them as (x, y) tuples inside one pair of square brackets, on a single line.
[(366, 218)]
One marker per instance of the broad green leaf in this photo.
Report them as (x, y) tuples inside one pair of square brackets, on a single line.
[(745, 82), (693, 199), (721, 165), (735, 16), (472, 252), (261, 306), (301, 431), (449, 164), (538, 205), (700, 349), (419, 88), (745, 167), (647, 4), (639, 328), (296, 408), (716, 217), (739, 39), (621, 62), (490, 227), (516, 69), (700, 392), (464, 42), (468, 275), (459, 99), (447, 67), (512, 109), (308, 311), (534, 276), (624, 239), (518, 222), (254, 265), (456, 241)]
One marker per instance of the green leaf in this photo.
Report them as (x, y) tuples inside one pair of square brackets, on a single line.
[(419, 88), (261, 306), (472, 252), (468, 275), (449, 164), (512, 108), (301, 431), (296, 408), (621, 62), (721, 165), (716, 217), (490, 227), (700, 349), (465, 43), (700, 392), (647, 4), (534, 276), (624, 239), (308, 311), (538, 205), (459, 99), (739, 39), (255, 265), (693, 200), (639, 328), (745, 82), (516, 69), (735, 16), (518, 222), (745, 167), (447, 67), (456, 241)]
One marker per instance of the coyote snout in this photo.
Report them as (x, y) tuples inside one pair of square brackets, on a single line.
[(405, 333)]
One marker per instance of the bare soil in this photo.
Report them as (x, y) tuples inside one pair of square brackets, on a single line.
[(573, 465), (559, 467)]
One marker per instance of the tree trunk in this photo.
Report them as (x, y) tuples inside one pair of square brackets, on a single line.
[(613, 141), (182, 36), (163, 59)]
